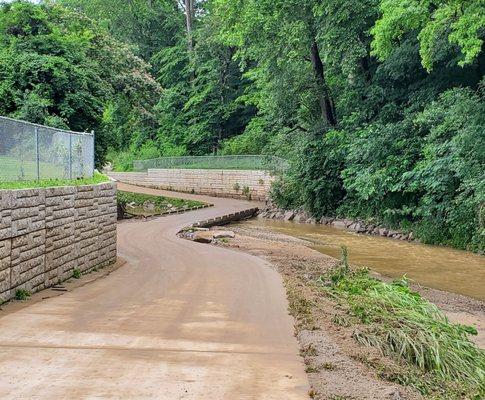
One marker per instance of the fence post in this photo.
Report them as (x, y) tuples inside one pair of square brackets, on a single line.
[(37, 155), (70, 156), (93, 136)]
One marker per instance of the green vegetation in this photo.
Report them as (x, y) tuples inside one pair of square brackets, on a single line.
[(146, 204), (10, 169), (60, 68), (22, 294), (244, 162), (76, 274), (379, 104), (398, 321), (97, 178)]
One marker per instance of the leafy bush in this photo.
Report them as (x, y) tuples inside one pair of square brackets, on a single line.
[(423, 173)]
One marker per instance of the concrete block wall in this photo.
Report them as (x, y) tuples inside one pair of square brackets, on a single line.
[(46, 233), (212, 182)]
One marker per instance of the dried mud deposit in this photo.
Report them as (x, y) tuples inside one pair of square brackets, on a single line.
[(337, 367)]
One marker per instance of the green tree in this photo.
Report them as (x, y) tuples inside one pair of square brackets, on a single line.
[(441, 25), (58, 67), (148, 25)]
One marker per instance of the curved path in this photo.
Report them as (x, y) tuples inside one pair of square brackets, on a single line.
[(180, 320)]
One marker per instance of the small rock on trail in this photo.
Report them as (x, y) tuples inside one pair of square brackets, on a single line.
[(202, 237)]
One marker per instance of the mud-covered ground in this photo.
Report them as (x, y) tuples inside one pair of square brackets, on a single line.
[(337, 367)]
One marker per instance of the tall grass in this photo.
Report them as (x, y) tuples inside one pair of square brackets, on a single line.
[(407, 327)]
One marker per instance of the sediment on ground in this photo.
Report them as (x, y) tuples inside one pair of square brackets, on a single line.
[(337, 366)]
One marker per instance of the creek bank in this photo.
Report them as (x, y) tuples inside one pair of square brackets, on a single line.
[(337, 366), (271, 211)]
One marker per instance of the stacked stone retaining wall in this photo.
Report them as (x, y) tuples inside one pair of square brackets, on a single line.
[(240, 184), (46, 233)]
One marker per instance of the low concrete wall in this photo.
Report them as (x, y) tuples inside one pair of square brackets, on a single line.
[(212, 182), (46, 233), (226, 219)]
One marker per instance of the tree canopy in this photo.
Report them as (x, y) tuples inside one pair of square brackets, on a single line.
[(378, 104)]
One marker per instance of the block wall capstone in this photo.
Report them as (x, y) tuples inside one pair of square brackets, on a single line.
[(46, 233), (220, 183)]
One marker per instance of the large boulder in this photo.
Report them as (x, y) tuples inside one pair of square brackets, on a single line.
[(279, 215), (339, 224), (358, 227), (383, 231), (301, 217)]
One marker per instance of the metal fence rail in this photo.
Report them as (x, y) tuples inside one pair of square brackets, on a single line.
[(244, 162), (34, 152)]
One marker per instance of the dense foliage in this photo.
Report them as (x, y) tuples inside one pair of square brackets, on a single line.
[(59, 68), (378, 104)]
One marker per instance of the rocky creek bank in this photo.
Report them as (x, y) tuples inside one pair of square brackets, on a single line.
[(271, 211)]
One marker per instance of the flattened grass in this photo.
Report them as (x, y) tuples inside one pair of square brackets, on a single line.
[(161, 204), (407, 327)]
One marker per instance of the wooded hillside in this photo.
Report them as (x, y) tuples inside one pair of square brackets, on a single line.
[(378, 104)]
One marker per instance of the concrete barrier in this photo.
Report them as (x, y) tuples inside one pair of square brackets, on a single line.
[(225, 219)]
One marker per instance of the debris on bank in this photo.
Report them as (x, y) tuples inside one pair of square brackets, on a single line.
[(205, 235)]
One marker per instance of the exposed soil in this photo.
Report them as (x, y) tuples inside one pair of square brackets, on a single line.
[(339, 368)]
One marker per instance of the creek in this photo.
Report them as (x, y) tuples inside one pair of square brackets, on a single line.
[(442, 268)]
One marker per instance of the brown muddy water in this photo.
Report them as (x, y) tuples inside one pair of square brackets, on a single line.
[(437, 267)]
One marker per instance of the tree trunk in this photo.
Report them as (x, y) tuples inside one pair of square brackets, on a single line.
[(326, 103), (189, 16)]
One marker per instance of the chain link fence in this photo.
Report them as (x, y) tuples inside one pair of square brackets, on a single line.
[(243, 162), (36, 152)]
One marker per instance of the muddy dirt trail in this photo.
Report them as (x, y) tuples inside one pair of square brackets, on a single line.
[(180, 320)]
